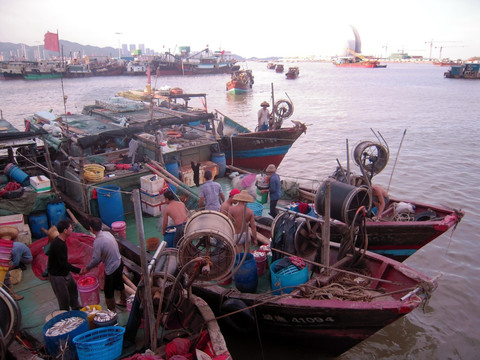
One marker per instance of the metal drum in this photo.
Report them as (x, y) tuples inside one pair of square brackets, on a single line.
[(209, 234)]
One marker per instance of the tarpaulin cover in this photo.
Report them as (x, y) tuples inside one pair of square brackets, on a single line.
[(80, 250)]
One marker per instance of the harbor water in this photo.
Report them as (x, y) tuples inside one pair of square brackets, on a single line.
[(436, 163)]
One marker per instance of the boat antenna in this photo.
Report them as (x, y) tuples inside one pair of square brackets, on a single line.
[(396, 158)]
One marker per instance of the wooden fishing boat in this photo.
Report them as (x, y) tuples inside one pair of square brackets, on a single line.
[(279, 68), (292, 72), (271, 66), (465, 71), (241, 82), (319, 310)]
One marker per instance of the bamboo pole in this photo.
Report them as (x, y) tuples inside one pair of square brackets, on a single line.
[(148, 313)]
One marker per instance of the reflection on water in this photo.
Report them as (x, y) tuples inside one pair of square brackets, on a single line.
[(436, 164)]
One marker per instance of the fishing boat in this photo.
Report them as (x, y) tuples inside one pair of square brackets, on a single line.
[(292, 72), (465, 71), (78, 71), (199, 63), (279, 68), (13, 70), (45, 69), (271, 66), (241, 82)]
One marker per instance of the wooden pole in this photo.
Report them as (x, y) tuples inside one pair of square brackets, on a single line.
[(148, 313)]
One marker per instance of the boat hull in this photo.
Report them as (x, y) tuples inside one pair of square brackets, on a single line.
[(257, 150), (335, 325)]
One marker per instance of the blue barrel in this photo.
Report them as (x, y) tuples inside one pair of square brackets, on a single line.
[(172, 168), (38, 220), (55, 343), (246, 278), (110, 205), (17, 174), (219, 159), (288, 278), (56, 211)]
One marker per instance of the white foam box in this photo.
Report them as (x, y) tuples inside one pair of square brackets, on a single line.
[(25, 235), (151, 183), (15, 220), (151, 209), (40, 183), (150, 198)]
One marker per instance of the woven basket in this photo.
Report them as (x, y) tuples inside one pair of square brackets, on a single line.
[(93, 172)]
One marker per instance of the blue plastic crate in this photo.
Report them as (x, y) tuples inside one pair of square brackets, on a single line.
[(256, 207), (105, 343)]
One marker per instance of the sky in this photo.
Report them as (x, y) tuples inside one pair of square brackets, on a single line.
[(253, 28)]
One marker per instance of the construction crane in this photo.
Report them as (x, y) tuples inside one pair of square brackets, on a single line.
[(431, 42), (441, 48)]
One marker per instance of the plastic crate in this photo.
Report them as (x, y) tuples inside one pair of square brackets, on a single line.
[(105, 343)]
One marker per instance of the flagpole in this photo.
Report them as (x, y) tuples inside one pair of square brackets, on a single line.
[(61, 81)]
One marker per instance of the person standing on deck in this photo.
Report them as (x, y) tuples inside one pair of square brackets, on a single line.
[(60, 271), (105, 249), (211, 194), (263, 116), (275, 189), (242, 217), (177, 211)]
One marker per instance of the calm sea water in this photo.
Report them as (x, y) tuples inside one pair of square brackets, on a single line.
[(436, 164)]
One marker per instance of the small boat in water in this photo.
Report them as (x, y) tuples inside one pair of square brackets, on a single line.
[(465, 71), (292, 72), (279, 68), (271, 66), (241, 82)]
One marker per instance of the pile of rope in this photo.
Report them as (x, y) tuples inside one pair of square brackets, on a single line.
[(346, 287)]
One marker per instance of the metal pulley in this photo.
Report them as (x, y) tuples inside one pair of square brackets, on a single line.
[(371, 157)]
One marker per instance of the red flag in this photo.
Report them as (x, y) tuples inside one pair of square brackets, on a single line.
[(51, 42)]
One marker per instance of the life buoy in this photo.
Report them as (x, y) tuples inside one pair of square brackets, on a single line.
[(243, 321), (174, 134), (425, 216)]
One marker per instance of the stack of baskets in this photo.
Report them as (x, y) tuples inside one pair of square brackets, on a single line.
[(105, 343), (93, 172)]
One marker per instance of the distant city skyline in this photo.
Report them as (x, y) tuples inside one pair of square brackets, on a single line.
[(253, 28)]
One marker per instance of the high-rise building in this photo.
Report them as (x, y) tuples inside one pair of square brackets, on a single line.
[(124, 49), (132, 48), (142, 47)]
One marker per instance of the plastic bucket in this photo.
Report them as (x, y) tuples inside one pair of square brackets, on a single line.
[(289, 276), (110, 205), (38, 221), (169, 236), (261, 261), (55, 343), (219, 159), (17, 174), (246, 277), (91, 310), (345, 200), (112, 322), (120, 227), (256, 207), (262, 198), (88, 290), (56, 212)]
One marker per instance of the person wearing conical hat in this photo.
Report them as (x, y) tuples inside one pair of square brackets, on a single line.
[(263, 116), (274, 189)]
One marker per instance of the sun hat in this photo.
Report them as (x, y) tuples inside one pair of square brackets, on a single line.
[(234, 192), (264, 104), (244, 196), (270, 169)]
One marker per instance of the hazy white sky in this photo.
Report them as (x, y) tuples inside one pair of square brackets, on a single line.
[(249, 28)]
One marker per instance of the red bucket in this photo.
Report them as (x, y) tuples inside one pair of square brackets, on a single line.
[(120, 227), (261, 260)]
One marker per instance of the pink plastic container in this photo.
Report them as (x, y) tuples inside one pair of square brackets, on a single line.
[(120, 227), (88, 290)]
